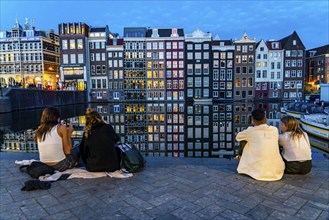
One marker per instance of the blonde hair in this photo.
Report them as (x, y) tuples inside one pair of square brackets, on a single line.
[(92, 117), (49, 119), (293, 126)]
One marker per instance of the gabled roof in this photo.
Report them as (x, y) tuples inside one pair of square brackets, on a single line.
[(198, 34), (284, 41), (270, 45), (257, 44), (319, 50), (245, 39), (261, 42)]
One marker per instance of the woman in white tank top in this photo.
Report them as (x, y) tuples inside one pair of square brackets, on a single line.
[(54, 141), (297, 153)]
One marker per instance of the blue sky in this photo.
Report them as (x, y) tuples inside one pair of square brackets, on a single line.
[(228, 18)]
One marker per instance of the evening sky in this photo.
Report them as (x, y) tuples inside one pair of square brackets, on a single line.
[(228, 19)]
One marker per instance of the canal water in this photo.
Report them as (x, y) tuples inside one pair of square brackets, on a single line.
[(150, 127)]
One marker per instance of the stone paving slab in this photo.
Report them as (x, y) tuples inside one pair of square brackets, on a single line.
[(168, 188)]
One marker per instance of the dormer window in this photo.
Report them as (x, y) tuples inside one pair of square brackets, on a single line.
[(312, 53), (275, 45), (155, 32), (174, 32), (29, 33), (15, 34)]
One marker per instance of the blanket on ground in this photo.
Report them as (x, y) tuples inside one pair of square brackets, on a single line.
[(44, 181), (77, 173), (82, 173)]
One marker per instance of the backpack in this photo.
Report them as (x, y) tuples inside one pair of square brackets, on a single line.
[(131, 158), (37, 168)]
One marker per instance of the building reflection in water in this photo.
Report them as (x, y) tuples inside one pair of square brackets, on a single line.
[(17, 128), (172, 129)]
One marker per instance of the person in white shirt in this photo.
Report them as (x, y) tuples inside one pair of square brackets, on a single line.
[(261, 157), (54, 141), (297, 153)]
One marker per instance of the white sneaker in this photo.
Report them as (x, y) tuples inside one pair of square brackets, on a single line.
[(123, 170), (119, 174)]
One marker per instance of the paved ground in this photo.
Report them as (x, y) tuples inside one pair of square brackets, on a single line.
[(169, 188)]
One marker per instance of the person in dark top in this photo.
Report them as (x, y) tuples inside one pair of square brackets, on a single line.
[(97, 148)]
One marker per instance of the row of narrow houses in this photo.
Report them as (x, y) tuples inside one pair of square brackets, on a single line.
[(172, 93), (82, 57)]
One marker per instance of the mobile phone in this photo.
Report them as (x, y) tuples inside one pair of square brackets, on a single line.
[(65, 122)]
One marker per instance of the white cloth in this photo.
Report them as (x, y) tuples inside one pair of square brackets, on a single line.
[(51, 149), (53, 177), (82, 173), (24, 162), (261, 157), (75, 173), (295, 149)]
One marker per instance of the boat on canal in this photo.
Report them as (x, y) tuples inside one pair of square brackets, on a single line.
[(298, 109), (316, 124), (313, 118), (319, 143)]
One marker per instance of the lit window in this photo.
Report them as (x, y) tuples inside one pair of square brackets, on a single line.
[(72, 56), (80, 44), (80, 58), (64, 44), (72, 44), (65, 59)]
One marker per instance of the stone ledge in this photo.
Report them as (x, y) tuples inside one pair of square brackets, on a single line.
[(174, 188)]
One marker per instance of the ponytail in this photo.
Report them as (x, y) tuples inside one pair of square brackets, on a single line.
[(92, 117)]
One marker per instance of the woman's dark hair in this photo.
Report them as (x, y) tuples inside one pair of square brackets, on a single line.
[(92, 117), (49, 119), (293, 126), (259, 116)]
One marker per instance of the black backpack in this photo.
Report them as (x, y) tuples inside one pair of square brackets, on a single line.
[(131, 158)]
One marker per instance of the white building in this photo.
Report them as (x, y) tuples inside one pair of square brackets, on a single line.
[(29, 57)]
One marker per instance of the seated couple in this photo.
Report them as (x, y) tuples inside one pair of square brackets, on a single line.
[(260, 157), (97, 148)]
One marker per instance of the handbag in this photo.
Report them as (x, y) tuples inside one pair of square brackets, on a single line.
[(36, 169), (131, 158)]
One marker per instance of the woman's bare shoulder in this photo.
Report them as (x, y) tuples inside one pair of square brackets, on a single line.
[(61, 129)]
